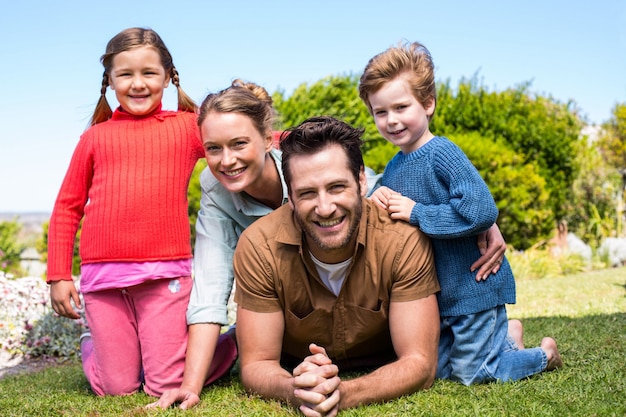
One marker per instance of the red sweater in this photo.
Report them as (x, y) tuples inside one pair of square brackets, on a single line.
[(129, 178)]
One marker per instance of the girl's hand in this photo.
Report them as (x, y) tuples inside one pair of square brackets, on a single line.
[(61, 295), (400, 207)]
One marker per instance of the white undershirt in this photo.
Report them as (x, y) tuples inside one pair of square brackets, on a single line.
[(332, 275)]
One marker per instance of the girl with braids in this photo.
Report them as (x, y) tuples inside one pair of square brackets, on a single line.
[(127, 181)]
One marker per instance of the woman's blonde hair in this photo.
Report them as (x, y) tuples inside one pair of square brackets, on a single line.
[(242, 97)]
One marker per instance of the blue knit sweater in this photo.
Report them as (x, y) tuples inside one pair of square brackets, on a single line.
[(453, 205)]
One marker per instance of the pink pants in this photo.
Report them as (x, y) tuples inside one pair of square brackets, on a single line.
[(133, 330), (139, 334)]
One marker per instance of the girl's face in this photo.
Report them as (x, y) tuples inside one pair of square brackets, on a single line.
[(138, 79), (235, 151), (399, 117)]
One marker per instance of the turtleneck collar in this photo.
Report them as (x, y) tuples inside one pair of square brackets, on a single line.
[(121, 114)]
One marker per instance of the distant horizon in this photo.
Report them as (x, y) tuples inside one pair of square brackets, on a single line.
[(25, 218), (30, 213), (24, 212)]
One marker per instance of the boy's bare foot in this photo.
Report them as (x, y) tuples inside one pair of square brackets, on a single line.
[(516, 331), (554, 359)]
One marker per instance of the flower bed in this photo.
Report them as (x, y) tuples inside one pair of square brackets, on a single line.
[(28, 326)]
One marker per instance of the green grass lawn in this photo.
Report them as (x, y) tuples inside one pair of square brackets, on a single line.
[(585, 313)]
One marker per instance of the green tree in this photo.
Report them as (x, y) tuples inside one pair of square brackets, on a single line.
[(597, 194), (332, 96), (532, 140), (612, 142), (517, 187), (10, 247), (612, 146), (42, 243), (540, 129)]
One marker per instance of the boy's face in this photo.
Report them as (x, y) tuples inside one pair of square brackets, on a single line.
[(399, 117)]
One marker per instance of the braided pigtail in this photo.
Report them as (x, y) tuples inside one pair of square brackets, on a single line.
[(185, 103), (103, 112)]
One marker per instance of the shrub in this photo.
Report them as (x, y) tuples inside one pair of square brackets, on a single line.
[(541, 129), (53, 335), (538, 262), (518, 189), (10, 247)]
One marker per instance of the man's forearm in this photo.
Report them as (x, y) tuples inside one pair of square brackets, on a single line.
[(404, 376), (269, 380)]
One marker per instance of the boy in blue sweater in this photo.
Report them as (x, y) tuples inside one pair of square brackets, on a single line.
[(432, 184)]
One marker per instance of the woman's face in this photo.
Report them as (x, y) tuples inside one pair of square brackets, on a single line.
[(235, 150)]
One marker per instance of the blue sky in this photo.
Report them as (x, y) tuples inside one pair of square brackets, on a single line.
[(50, 74)]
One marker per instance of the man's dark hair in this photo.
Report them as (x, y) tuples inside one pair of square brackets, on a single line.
[(317, 133)]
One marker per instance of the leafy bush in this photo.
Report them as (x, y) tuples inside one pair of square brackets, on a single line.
[(10, 247), (335, 96), (538, 263), (53, 335), (539, 136), (540, 129), (194, 194), (597, 190), (518, 189)]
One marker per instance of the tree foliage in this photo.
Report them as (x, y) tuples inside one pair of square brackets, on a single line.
[(597, 191), (336, 96), (612, 142), (517, 187), (332, 96), (610, 177), (540, 129), (10, 247), (525, 144)]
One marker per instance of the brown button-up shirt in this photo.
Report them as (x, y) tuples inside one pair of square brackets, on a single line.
[(392, 262)]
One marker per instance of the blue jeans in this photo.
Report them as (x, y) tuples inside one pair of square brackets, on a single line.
[(477, 348)]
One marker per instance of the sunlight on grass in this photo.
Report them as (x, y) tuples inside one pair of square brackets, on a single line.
[(585, 313), (582, 294)]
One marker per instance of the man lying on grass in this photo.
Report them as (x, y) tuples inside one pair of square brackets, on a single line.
[(329, 283)]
